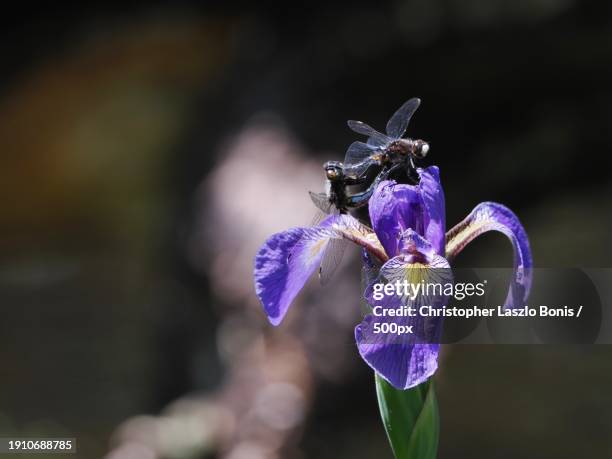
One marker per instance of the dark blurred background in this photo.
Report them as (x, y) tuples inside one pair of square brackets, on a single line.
[(149, 150)]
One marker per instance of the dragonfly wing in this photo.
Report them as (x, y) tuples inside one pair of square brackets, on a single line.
[(397, 124), (356, 156), (356, 173), (375, 138), (379, 140), (361, 128), (331, 259), (369, 275), (322, 202), (318, 218)]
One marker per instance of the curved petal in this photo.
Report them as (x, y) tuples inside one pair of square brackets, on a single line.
[(403, 365), (286, 260), (405, 352), (283, 265), (393, 209), (432, 195), (490, 216)]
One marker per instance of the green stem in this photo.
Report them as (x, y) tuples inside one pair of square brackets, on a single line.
[(410, 418)]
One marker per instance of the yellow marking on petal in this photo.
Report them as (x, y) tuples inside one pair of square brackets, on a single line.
[(373, 240), (415, 272), (316, 248), (461, 235), (367, 239)]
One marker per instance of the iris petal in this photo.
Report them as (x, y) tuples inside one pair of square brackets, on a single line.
[(403, 365), (393, 209), (286, 261), (406, 360), (283, 265), (397, 207), (490, 216), (432, 195)]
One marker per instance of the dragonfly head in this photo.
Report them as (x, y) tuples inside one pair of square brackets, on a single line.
[(334, 170), (420, 149)]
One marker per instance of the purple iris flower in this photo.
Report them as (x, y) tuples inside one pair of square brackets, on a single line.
[(408, 231)]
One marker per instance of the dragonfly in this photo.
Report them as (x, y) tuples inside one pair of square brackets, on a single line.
[(338, 177), (390, 148), (337, 200)]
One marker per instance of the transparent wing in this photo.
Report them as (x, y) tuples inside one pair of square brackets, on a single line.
[(369, 275), (331, 259), (356, 156), (320, 215), (362, 128), (374, 137), (357, 152), (318, 218), (355, 173), (397, 124), (322, 202), (379, 140)]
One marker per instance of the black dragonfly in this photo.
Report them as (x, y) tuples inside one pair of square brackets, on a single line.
[(338, 177), (387, 149), (338, 200)]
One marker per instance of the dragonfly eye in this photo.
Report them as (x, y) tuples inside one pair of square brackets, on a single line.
[(331, 174), (421, 150), (333, 170)]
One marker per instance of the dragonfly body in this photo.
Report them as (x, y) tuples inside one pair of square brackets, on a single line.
[(339, 177), (338, 200), (390, 148), (407, 147), (337, 181)]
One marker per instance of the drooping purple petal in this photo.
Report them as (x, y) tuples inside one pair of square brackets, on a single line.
[(490, 216), (402, 365), (286, 261), (409, 358), (283, 265), (393, 209), (432, 195)]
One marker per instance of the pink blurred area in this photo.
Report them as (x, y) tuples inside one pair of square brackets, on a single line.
[(260, 409)]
